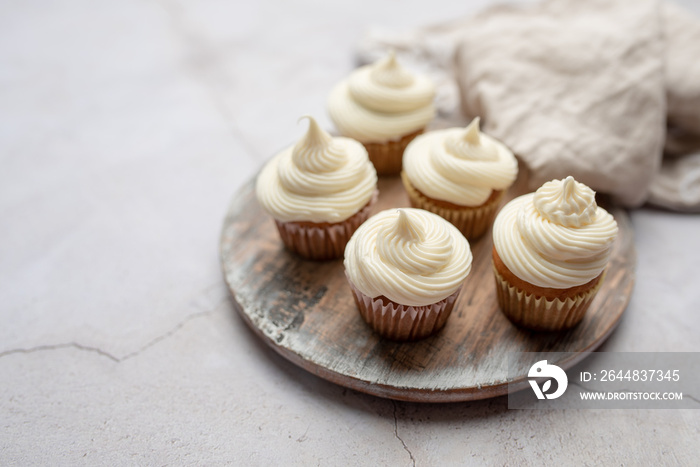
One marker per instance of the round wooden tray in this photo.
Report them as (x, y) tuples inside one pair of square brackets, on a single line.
[(305, 311)]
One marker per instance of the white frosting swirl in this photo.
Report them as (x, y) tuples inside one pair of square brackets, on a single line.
[(382, 102), (411, 256), (459, 165), (319, 179), (557, 237)]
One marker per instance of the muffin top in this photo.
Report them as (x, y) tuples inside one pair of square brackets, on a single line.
[(557, 237), (410, 256), (319, 179), (382, 102), (459, 165)]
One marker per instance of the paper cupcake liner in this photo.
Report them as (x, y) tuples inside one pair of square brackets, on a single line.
[(473, 222), (402, 322), (387, 157), (323, 241), (538, 313)]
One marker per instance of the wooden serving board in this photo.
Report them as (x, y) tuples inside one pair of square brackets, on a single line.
[(305, 311)]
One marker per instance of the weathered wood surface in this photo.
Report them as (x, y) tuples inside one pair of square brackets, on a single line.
[(305, 311)]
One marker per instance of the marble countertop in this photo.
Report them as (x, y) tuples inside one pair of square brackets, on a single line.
[(125, 129)]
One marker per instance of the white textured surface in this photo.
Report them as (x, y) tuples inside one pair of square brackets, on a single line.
[(125, 128)]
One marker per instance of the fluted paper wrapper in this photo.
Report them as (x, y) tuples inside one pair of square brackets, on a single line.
[(538, 313), (473, 222), (387, 157), (402, 322), (324, 241)]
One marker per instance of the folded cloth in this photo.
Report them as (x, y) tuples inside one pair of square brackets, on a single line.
[(593, 89)]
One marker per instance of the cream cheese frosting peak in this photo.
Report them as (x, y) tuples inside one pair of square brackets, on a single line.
[(566, 202), (460, 165), (403, 244), (408, 229), (472, 132), (381, 102), (316, 151), (470, 145), (557, 237), (388, 72), (318, 179), (410, 256)]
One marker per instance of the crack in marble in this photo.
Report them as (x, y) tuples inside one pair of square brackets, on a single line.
[(206, 71), (303, 437), (396, 434), (172, 331), (103, 353), (74, 345), (690, 396)]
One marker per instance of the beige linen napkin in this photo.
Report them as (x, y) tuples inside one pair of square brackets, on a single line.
[(595, 89)]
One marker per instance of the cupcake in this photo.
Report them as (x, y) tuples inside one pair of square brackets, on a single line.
[(406, 268), (460, 174), (318, 191), (550, 251), (384, 107)]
